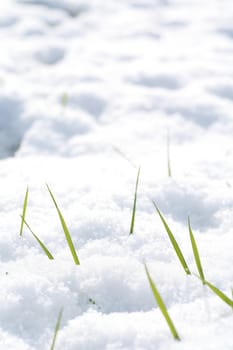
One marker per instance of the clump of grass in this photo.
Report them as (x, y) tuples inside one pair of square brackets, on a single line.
[(134, 203), (196, 253), (65, 229), (24, 211), (162, 306), (56, 330), (44, 248), (174, 242)]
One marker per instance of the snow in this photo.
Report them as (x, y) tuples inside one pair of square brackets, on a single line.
[(89, 91)]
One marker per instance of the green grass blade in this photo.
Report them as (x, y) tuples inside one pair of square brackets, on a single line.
[(162, 306), (232, 296), (196, 254), (64, 100), (24, 212), (46, 251), (168, 156), (56, 330), (220, 294), (134, 204), (65, 230), (174, 242), (123, 155)]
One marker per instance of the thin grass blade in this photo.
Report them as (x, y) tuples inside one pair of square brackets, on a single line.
[(123, 155), (65, 230), (134, 204), (64, 100), (46, 251), (232, 296), (56, 330), (162, 306), (168, 156), (196, 253), (174, 242), (24, 211), (220, 294)]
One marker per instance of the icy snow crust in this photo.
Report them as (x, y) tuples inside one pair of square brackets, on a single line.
[(88, 92)]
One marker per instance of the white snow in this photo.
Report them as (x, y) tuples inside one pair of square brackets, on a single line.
[(89, 91)]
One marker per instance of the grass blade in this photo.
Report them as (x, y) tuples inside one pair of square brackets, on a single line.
[(46, 251), (168, 156), (65, 230), (134, 204), (24, 212), (56, 330), (196, 253), (232, 296), (162, 306), (220, 294), (123, 155), (64, 100), (174, 243)]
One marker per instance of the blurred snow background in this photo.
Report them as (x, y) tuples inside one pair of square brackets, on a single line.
[(81, 83)]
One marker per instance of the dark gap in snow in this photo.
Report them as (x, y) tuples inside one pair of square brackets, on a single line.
[(7, 152), (164, 81), (50, 55), (223, 91), (11, 126), (90, 103), (175, 24), (73, 10), (228, 32), (149, 4), (8, 21), (202, 115)]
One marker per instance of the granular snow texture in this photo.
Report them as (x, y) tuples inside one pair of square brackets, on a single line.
[(89, 91)]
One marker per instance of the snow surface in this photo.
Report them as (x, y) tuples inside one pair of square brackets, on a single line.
[(84, 86)]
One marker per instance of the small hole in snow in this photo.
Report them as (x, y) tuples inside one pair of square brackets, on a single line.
[(11, 126)]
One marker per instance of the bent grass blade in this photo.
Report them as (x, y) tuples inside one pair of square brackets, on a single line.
[(134, 203), (46, 251), (196, 253), (174, 242), (65, 230), (56, 330), (161, 305), (24, 211), (220, 294)]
